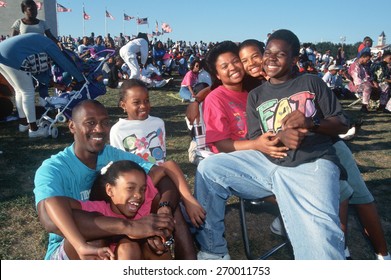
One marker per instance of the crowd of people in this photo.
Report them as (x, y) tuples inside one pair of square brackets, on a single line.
[(270, 125)]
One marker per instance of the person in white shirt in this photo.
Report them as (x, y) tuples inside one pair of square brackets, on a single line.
[(130, 51)]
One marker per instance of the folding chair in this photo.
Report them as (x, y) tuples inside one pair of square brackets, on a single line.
[(246, 240), (358, 100), (202, 152)]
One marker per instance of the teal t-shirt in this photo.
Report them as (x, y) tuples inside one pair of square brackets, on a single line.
[(64, 174)]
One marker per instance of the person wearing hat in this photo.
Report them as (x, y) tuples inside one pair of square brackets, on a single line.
[(331, 76)]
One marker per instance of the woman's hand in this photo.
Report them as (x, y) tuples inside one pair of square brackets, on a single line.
[(271, 145)]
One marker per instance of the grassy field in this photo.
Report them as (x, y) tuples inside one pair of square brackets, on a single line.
[(22, 237)]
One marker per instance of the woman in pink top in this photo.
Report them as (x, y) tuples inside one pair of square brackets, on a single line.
[(189, 81)]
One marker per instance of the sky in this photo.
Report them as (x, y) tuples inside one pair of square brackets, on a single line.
[(216, 20)]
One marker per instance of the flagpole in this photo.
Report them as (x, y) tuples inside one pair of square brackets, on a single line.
[(106, 22), (84, 25), (137, 24), (123, 24)]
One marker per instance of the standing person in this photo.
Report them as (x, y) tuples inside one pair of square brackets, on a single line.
[(31, 24), (25, 55), (145, 136), (340, 58), (129, 53), (252, 174), (125, 186), (189, 81), (365, 45), (71, 173)]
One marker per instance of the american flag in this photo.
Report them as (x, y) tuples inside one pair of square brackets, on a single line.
[(85, 15), (166, 28), (39, 5), (62, 9), (126, 17), (109, 15), (3, 4), (142, 21)]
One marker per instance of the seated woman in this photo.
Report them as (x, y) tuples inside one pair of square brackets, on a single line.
[(158, 52), (189, 81)]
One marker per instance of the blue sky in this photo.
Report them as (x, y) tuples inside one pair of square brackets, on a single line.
[(210, 20)]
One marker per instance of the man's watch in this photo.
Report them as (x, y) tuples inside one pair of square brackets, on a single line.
[(315, 123), (165, 204)]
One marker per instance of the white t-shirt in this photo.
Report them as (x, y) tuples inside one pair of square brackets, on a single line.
[(22, 28), (146, 138)]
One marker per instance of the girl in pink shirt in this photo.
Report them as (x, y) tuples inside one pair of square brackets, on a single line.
[(128, 193)]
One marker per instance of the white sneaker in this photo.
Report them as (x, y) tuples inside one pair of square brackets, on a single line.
[(277, 227), (40, 132), (383, 258), (23, 128), (349, 135), (209, 256)]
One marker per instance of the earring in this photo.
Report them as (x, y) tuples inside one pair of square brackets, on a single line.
[(124, 110)]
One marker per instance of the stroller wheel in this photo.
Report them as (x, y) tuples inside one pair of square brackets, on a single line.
[(54, 132), (61, 118), (44, 123)]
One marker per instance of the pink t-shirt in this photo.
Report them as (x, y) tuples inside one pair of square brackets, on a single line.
[(225, 117), (190, 79), (104, 208)]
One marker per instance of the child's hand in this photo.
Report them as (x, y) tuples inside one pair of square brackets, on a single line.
[(90, 252), (268, 143), (195, 211)]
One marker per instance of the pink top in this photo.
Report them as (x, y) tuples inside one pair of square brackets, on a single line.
[(190, 79), (225, 117), (104, 208)]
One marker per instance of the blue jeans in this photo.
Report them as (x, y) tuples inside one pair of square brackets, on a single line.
[(361, 194), (307, 195), (185, 93)]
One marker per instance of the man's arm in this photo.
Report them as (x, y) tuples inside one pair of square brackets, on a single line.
[(95, 226), (59, 210)]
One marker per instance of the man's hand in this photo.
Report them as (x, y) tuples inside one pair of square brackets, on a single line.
[(296, 119), (161, 225), (292, 137)]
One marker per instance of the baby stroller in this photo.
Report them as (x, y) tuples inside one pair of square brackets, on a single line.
[(91, 88)]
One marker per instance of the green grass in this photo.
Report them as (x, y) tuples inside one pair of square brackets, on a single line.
[(22, 237)]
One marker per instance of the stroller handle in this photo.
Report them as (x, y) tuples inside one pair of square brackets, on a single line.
[(110, 52)]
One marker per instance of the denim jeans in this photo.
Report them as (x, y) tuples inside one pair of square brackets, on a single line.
[(361, 194), (185, 93), (307, 195)]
